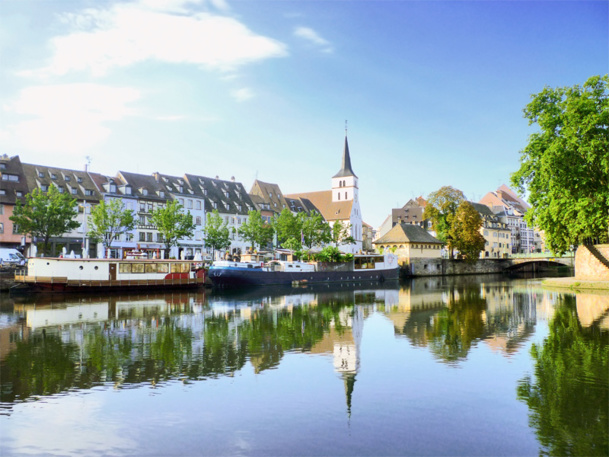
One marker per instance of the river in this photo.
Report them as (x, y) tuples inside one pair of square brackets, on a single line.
[(463, 366)]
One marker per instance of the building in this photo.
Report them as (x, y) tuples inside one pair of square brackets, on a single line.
[(409, 241), (496, 233), (13, 188), (341, 204), (192, 199), (511, 210), (111, 189), (79, 185), (149, 196), (410, 213), (232, 202)]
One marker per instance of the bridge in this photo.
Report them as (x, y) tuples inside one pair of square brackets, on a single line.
[(535, 261)]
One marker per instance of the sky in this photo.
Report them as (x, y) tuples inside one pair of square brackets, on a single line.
[(432, 91)]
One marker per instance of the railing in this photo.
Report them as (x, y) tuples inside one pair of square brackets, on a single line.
[(541, 255), (596, 253)]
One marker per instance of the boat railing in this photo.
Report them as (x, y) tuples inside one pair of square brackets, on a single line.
[(335, 266)]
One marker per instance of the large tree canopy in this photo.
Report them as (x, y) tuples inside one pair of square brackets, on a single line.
[(441, 208), (44, 215), (256, 231), (216, 234), (565, 166)]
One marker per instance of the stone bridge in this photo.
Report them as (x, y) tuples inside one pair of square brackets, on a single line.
[(515, 263)]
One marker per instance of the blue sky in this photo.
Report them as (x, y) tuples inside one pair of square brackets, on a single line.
[(433, 91)]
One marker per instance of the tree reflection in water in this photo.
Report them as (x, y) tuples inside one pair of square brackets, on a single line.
[(159, 348), (569, 395)]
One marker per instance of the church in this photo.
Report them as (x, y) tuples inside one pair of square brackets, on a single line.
[(341, 203)]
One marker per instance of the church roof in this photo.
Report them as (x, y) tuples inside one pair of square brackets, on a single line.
[(322, 200), (346, 169)]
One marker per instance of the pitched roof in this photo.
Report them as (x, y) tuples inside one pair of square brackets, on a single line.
[(270, 194), (346, 169), (75, 182), (227, 196), (12, 180), (143, 186), (407, 233), (322, 201)]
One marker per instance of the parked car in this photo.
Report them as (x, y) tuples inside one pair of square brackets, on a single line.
[(11, 257)]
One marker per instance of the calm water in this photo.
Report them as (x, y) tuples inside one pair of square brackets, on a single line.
[(465, 366)]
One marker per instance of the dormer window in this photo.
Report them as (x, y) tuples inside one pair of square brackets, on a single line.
[(215, 205), (73, 191), (19, 193), (2, 166), (226, 193), (53, 176), (60, 189), (127, 190), (88, 192), (67, 178), (161, 194), (79, 179), (40, 174), (7, 177), (44, 188), (113, 188), (144, 191), (181, 189)]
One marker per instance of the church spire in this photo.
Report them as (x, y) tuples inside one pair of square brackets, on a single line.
[(346, 169)]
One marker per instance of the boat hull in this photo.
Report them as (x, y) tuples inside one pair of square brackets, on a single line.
[(106, 286), (222, 277)]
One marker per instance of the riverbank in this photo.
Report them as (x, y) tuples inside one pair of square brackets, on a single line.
[(573, 283)]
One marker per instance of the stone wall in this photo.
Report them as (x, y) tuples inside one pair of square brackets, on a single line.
[(441, 267), (588, 267)]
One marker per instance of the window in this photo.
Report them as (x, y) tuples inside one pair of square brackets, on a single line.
[(142, 207), (53, 176), (61, 190), (142, 236), (226, 193), (2, 166), (19, 194), (127, 190), (189, 204), (79, 179), (44, 188), (159, 238), (88, 192), (198, 220), (1, 227), (67, 178), (1, 209), (7, 177), (15, 229), (113, 188), (149, 207), (162, 194), (74, 191), (142, 220), (198, 204), (144, 191), (149, 236), (181, 201), (215, 205)]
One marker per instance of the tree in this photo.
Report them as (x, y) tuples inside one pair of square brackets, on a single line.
[(216, 234), (45, 215), (315, 230), (288, 228), (565, 166), (108, 221), (441, 209), (172, 223), (340, 234), (256, 230), (465, 232)]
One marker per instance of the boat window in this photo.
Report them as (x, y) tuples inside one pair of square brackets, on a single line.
[(163, 268), (124, 268), (151, 268), (180, 267), (137, 268)]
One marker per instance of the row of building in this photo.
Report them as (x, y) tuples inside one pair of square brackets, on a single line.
[(404, 230)]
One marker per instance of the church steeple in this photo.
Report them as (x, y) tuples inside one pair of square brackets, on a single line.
[(346, 169)]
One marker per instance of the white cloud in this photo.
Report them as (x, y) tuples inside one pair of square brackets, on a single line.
[(67, 118), (313, 37), (129, 33), (242, 95)]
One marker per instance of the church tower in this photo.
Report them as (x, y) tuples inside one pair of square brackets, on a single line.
[(344, 183)]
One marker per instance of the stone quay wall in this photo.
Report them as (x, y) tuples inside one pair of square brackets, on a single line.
[(588, 267), (448, 267)]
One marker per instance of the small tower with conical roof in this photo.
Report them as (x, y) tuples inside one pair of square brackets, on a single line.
[(344, 183)]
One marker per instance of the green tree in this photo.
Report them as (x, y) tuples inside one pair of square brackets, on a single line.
[(341, 234), (172, 223), (565, 165), (44, 215), (288, 228), (441, 208), (315, 230), (216, 234), (568, 395), (465, 232), (108, 221), (256, 230)]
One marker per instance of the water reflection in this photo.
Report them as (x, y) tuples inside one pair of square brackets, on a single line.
[(568, 396), (60, 345)]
